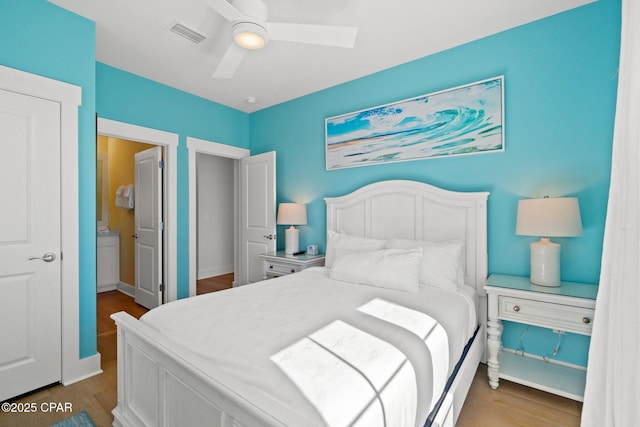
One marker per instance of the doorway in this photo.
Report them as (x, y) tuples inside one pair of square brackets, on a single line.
[(112, 128), (215, 198), (223, 153), (254, 192), (118, 181)]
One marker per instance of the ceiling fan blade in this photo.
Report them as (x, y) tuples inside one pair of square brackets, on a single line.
[(225, 9), (327, 35), (229, 63)]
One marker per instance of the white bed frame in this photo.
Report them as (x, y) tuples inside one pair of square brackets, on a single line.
[(163, 384)]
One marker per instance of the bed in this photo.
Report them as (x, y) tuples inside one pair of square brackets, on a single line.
[(292, 352)]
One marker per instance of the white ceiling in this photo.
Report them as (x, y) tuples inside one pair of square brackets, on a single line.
[(132, 35)]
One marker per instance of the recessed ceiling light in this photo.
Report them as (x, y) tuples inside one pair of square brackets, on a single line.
[(249, 35)]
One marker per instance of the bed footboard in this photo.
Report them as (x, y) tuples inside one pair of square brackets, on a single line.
[(160, 384)]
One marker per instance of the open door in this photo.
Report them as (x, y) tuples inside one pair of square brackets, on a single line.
[(257, 214), (148, 227)]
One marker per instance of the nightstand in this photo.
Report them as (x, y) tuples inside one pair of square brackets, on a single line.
[(281, 264), (569, 307)]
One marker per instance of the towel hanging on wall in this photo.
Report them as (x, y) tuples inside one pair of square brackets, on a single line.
[(124, 197)]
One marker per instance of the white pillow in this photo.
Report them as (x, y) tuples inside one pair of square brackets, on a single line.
[(338, 243), (442, 262), (397, 269)]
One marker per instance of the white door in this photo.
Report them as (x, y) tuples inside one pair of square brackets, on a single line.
[(257, 213), (148, 227), (30, 286)]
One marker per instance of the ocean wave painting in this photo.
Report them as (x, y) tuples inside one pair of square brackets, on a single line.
[(463, 120)]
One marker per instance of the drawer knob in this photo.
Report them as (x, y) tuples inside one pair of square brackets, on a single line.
[(586, 320), (292, 270), (516, 308), (271, 266)]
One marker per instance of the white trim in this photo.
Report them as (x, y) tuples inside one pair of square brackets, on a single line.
[(70, 98), (170, 141), (216, 149), (104, 215), (43, 87), (195, 146), (127, 289), (215, 271), (85, 368), (136, 133)]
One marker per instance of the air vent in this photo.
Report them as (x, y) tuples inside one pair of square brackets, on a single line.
[(186, 32)]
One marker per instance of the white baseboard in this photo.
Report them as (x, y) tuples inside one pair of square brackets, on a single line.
[(83, 369), (214, 271), (107, 288), (128, 289)]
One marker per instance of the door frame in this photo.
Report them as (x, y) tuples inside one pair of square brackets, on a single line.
[(169, 141), (70, 99), (195, 146)]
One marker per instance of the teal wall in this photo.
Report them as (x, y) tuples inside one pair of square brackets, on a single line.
[(40, 38), (132, 99), (560, 82), (560, 91)]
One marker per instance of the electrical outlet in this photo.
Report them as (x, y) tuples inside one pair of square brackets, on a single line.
[(558, 331)]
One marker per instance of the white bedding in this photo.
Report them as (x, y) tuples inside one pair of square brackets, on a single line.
[(243, 331)]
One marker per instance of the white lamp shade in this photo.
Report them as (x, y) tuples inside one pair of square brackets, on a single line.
[(549, 217), (292, 214)]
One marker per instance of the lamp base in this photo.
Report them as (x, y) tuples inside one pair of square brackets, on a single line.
[(292, 237), (545, 263)]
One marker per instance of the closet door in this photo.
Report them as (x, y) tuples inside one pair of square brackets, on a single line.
[(30, 285)]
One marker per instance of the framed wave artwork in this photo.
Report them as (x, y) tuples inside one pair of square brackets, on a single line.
[(463, 120)]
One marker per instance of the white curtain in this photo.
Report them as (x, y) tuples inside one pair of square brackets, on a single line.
[(612, 396)]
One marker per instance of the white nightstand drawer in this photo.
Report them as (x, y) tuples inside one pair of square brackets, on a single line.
[(546, 314), (280, 264), (281, 269)]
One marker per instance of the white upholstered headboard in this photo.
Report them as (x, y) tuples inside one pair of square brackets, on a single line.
[(415, 210)]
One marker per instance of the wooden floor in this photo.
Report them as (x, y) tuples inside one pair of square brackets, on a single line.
[(213, 284), (510, 405), (513, 404)]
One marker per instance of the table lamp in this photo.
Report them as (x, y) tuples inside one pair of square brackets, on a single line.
[(547, 217), (292, 214)]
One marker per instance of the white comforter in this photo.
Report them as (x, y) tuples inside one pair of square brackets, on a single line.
[(258, 337)]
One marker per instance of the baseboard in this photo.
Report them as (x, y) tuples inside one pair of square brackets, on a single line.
[(83, 368), (128, 289), (214, 271)]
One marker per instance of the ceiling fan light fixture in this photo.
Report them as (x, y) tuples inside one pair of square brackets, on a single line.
[(250, 35)]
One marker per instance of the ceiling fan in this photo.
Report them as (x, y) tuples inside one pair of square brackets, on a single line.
[(250, 30)]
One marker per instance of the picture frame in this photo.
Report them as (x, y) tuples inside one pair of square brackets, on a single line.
[(463, 120)]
